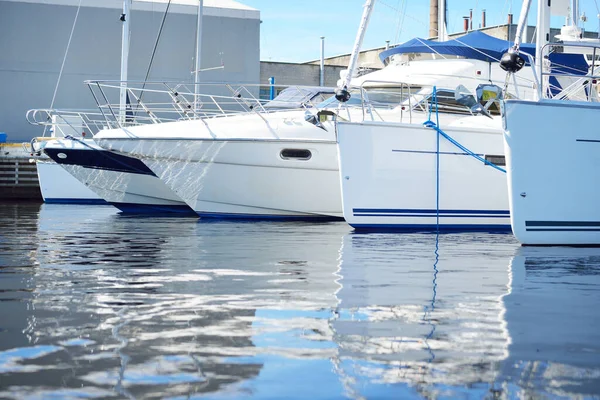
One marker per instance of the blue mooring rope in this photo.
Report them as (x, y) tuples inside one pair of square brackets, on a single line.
[(436, 126)]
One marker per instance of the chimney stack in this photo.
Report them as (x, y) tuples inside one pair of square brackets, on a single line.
[(471, 19), (483, 18), (433, 18), (466, 24)]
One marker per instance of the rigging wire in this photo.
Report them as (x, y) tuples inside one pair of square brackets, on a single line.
[(401, 25), (162, 24), (62, 67)]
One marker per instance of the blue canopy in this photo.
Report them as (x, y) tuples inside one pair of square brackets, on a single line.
[(475, 45)]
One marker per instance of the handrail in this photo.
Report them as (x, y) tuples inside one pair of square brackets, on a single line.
[(574, 91), (410, 99), (243, 99), (166, 101)]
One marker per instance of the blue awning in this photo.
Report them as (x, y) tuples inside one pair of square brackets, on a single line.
[(475, 45)]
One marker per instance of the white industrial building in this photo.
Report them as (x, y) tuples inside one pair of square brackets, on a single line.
[(34, 36)]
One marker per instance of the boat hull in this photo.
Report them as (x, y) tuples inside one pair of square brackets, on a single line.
[(389, 179), (245, 178), (124, 182), (553, 169), (59, 187)]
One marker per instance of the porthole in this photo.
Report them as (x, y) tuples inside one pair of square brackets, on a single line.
[(296, 154), (61, 155)]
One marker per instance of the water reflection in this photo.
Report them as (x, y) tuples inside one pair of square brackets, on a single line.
[(166, 307), (554, 323), (95, 304), (426, 326)]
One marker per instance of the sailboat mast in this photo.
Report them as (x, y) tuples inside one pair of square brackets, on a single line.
[(367, 10), (522, 22), (125, 17), (575, 12), (198, 52), (442, 33)]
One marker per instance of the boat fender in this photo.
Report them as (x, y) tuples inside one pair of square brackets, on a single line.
[(512, 62), (342, 95)]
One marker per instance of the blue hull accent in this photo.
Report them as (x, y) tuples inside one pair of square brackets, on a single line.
[(431, 212), (99, 159), (76, 201), (154, 209), (261, 217), (431, 228)]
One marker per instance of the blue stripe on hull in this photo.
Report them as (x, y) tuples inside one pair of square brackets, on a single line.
[(75, 201), (256, 217), (429, 211), (429, 215), (431, 228), (99, 159), (136, 208)]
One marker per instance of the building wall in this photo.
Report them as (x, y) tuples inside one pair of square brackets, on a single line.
[(298, 74), (367, 59), (34, 36)]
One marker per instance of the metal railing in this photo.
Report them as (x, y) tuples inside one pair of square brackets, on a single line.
[(580, 86), (67, 122), (159, 102), (407, 99)]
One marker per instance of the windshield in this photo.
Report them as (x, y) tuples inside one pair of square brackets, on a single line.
[(388, 97), (296, 97)]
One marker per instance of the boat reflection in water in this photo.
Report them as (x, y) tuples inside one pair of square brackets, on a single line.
[(473, 322), (141, 307), (97, 304), (428, 325), (554, 324)]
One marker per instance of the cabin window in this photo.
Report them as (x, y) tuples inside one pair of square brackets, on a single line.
[(296, 154), (498, 160)]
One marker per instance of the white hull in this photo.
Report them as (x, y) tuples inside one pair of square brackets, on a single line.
[(553, 171), (125, 183), (389, 174), (245, 178), (58, 186)]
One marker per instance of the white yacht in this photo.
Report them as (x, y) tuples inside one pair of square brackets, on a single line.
[(552, 149), (443, 169), (125, 182)]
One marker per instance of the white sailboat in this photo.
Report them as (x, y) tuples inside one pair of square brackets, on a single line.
[(446, 174), (552, 151)]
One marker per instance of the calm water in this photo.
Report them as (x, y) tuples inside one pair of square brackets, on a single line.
[(94, 304)]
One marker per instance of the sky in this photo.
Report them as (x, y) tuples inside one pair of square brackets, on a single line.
[(291, 29)]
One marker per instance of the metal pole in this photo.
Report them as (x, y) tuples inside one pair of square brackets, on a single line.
[(322, 76), (522, 22), (272, 88), (198, 52), (441, 34), (542, 38), (125, 17), (368, 8)]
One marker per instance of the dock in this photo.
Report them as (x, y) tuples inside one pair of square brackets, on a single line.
[(18, 174)]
